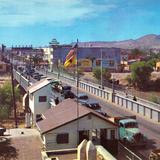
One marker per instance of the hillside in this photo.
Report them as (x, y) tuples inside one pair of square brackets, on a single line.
[(145, 42)]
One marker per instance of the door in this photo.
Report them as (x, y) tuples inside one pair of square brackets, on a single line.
[(83, 135)]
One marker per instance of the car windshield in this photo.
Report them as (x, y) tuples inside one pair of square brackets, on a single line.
[(131, 125), (66, 87), (95, 106), (85, 97)]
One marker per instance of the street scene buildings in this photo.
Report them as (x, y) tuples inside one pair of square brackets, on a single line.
[(79, 80)]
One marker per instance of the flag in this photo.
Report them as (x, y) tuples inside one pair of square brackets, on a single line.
[(71, 57)]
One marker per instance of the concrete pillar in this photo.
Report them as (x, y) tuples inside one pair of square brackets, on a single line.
[(81, 151), (91, 151), (111, 96)]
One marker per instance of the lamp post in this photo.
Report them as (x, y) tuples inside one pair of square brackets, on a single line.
[(101, 70)]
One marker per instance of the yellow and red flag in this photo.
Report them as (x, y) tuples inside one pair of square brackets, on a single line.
[(71, 59)]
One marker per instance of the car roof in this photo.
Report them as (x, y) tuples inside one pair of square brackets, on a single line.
[(66, 86), (82, 94), (90, 101), (128, 120)]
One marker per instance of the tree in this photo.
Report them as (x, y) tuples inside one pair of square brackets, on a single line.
[(136, 52), (106, 75), (6, 99), (141, 72)]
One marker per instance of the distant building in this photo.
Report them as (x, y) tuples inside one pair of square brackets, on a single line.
[(63, 127), (24, 53), (3, 67), (48, 55), (111, 56)]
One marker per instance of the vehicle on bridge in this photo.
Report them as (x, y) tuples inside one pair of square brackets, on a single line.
[(92, 104), (82, 98), (129, 133), (68, 94)]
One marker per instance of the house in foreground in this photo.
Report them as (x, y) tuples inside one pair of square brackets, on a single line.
[(39, 98), (68, 124)]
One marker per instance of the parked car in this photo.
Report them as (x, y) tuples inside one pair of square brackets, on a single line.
[(34, 74), (56, 85), (82, 98), (37, 77), (68, 94), (95, 106), (64, 88)]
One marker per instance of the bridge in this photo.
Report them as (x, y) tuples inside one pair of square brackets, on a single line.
[(138, 107)]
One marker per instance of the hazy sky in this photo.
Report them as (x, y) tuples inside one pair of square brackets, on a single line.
[(25, 22)]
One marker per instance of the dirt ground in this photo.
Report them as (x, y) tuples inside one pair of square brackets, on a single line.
[(26, 146)]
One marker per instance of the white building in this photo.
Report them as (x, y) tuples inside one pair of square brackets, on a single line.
[(48, 55), (65, 126), (39, 97)]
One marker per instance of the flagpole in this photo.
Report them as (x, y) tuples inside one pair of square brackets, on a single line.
[(77, 94)]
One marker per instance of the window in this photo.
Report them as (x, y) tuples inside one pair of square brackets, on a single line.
[(42, 98), (112, 134), (62, 138)]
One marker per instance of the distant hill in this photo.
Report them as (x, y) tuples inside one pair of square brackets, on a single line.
[(145, 42)]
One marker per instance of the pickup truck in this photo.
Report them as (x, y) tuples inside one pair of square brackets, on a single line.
[(129, 133)]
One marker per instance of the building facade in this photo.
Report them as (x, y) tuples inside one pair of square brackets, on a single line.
[(110, 57)]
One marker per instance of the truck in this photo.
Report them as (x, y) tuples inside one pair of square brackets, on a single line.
[(129, 132)]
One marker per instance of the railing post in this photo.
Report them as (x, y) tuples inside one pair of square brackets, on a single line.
[(144, 110), (137, 108), (126, 103), (132, 106), (158, 116), (151, 113)]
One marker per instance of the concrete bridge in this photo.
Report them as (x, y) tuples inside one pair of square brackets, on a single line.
[(144, 109)]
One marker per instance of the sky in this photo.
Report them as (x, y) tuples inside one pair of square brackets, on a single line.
[(36, 22)]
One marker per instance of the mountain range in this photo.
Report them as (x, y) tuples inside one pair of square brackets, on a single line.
[(145, 42)]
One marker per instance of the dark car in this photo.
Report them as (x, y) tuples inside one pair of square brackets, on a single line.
[(68, 94), (95, 106), (37, 77), (34, 74), (82, 98), (65, 88), (92, 104)]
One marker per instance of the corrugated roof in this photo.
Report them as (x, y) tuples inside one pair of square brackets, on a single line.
[(38, 85), (63, 113)]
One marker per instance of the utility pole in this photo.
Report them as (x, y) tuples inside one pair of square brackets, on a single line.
[(101, 70), (13, 93)]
